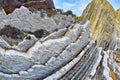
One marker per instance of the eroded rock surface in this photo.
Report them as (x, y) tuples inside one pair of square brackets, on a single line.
[(103, 21), (40, 58), (34, 46), (10, 5), (12, 32), (25, 20)]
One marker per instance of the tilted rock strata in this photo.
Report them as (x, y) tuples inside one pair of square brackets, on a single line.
[(55, 48), (103, 22), (95, 64), (117, 15), (73, 49), (105, 29), (42, 57)]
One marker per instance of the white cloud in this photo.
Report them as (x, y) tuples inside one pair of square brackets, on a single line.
[(77, 6)]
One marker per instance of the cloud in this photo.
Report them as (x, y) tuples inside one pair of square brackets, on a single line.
[(77, 6)]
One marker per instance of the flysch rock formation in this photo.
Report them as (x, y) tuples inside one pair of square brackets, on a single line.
[(103, 19), (34, 58), (105, 23), (34, 46), (117, 16)]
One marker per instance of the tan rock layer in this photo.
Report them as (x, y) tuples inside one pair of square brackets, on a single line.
[(117, 15), (103, 21)]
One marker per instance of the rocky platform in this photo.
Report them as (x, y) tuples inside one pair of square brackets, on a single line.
[(34, 46), (33, 57)]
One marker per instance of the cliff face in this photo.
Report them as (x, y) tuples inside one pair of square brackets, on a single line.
[(117, 16), (10, 5), (34, 46), (103, 21)]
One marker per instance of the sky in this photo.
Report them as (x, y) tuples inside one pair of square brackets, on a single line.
[(77, 6)]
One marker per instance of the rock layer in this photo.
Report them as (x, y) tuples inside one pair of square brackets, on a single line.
[(66, 53), (32, 59), (57, 47), (103, 22), (117, 15)]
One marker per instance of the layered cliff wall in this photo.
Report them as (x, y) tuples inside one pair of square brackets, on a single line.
[(117, 15), (34, 46), (102, 17)]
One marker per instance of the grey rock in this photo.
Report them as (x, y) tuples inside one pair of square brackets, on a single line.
[(59, 51), (24, 19), (3, 43), (13, 62), (55, 35), (25, 44)]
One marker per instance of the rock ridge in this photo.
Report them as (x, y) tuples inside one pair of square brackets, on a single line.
[(10, 5), (102, 17)]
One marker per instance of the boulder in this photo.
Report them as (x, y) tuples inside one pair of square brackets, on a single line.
[(69, 13)]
